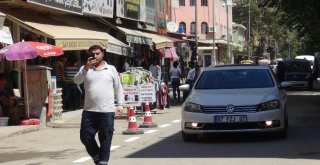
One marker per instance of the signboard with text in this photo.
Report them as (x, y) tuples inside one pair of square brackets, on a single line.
[(131, 95), (103, 8), (79, 44), (128, 9), (147, 92), (74, 6)]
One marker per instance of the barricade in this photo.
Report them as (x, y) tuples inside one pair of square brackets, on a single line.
[(147, 123), (132, 125)]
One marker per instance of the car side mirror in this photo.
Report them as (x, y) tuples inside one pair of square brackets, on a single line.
[(184, 87), (285, 85)]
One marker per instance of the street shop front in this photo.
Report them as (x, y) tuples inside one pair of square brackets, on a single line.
[(73, 34)]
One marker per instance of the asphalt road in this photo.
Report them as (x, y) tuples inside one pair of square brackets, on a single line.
[(164, 146)]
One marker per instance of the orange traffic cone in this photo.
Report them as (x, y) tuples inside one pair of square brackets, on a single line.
[(132, 126), (147, 123)]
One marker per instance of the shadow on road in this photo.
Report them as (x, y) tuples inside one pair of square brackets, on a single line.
[(303, 141)]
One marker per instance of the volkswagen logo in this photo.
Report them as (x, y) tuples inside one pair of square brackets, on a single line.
[(230, 108)]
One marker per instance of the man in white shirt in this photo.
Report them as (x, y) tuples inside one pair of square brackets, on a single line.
[(101, 84)]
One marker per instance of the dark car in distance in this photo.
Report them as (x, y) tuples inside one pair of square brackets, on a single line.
[(296, 71)]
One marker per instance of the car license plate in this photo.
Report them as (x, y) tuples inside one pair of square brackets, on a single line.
[(230, 119)]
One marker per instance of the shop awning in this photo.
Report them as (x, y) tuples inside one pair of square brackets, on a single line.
[(5, 35), (218, 41), (160, 41), (171, 53), (206, 48), (114, 45), (70, 33), (137, 37)]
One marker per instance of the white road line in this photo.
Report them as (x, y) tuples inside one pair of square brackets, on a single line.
[(164, 125), (176, 121), (83, 159), (151, 131), (114, 147), (132, 139)]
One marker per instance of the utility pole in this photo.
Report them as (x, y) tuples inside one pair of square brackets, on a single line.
[(228, 36), (249, 30), (213, 58), (196, 28)]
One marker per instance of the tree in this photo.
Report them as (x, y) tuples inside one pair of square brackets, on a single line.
[(266, 26), (302, 16)]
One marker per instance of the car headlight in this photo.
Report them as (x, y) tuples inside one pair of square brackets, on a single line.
[(192, 107), (269, 105)]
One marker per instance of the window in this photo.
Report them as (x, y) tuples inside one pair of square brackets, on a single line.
[(204, 2), (204, 28), (182, 27), (193, 28), (235, 79), (182, 3), (192, 2)]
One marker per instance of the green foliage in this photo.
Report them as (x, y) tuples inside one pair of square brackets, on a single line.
[(302, 16), (266, 26)]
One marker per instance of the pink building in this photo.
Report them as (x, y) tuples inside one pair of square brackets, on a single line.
[(212, 19)]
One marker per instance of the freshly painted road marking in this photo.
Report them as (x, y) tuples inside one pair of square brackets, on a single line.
[(176, 121), (114, 147), (82, 160), (151, 131), (132, 139), (164, 125)]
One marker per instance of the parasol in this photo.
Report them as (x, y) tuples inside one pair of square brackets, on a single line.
[(28, 50)]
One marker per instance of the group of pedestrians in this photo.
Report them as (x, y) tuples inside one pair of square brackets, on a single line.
[(65, 68), (176, 78)]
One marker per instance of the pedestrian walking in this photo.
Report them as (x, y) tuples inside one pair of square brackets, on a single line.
[(191, 78), (102, 87), (175, 74)]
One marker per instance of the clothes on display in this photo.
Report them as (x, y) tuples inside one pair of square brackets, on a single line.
[(137, 75), (162, 96)]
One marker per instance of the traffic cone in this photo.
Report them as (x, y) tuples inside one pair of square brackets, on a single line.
[(147, 123), (132, 126)]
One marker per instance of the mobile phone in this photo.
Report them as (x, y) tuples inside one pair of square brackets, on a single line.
[(93, 56)]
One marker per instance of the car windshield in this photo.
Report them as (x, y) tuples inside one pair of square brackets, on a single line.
[(235, 79), (297, 66)]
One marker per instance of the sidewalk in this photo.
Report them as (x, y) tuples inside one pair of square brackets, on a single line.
[(9, 131)]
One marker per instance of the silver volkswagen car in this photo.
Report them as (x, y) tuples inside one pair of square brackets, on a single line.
[(235, 98)]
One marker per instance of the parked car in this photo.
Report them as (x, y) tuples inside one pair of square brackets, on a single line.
[(310, 58), (235, 98), (298, 72)]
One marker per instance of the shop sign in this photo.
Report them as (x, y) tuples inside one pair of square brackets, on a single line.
[(74, 6), (80, 44), (116, 49), (138, 39), (131, 95), (103, 8), (128, 9), (162, 23), (147, 93)]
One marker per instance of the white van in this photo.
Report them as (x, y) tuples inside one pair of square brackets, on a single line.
[(310, 58)]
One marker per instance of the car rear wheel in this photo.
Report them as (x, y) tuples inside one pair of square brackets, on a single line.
[(188, 137)]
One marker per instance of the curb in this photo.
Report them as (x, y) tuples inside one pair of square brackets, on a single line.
[(18, 131)]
